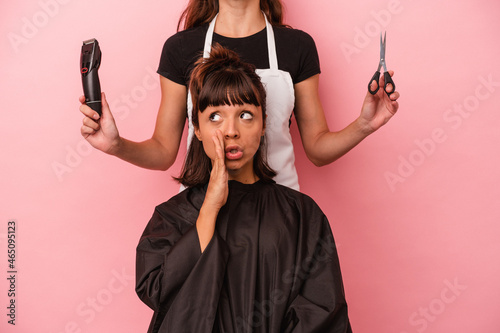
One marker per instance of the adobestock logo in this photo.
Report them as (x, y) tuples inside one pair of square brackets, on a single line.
[(421, 319), (97, 302), (39, 20), (372, 29)]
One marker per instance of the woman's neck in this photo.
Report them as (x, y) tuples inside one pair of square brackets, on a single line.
[(239, 18), (243, 176)]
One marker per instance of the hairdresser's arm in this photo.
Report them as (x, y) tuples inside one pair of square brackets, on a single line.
[(322, 146), (158, 152)]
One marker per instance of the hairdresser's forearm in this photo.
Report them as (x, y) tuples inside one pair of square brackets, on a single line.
[(149, 154), (330, 146)]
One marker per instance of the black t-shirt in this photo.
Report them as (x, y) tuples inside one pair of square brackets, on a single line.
[(295, 49)]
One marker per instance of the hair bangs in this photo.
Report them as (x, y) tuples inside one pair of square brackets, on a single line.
[(228, 88)]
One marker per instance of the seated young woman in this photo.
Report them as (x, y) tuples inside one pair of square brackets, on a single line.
[(236, 252)]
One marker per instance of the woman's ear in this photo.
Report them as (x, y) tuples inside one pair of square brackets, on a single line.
[(197, 133)]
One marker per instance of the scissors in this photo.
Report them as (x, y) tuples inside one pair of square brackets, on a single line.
[(387, 76)]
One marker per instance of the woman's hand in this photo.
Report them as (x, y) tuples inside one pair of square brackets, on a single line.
[(100, 132), (378, 109), (216, 195), (217, 190)]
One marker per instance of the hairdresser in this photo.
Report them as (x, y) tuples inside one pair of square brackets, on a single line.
[(288, 64)]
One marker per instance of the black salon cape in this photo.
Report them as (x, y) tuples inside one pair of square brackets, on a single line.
[(271, 265)]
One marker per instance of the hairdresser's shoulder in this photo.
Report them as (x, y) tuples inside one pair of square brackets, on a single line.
[(183, 47), (189, 35), (289, 33)]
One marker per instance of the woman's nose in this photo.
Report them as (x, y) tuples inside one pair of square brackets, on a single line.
[(231, 129)]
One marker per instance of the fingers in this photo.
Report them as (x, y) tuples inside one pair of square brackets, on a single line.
[(389, 89), (219, 173), (394, 96), (221, 144), (219, 147), (90, 124), (90, 121), (217, 190), (106, 111), (86, 131), (104, 101), (87, 122), (373, 85), (88, 112)]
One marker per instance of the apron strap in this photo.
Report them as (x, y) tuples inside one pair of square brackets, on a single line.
[(271, 47), (208, 38)]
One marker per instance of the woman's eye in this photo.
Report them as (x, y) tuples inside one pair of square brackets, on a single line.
[(214, 117), (246, 115)]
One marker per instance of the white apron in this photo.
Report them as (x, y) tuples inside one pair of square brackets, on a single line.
[(280, 102)]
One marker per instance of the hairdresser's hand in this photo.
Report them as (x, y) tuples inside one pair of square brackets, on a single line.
[(217, 190), (378, 109), (101, 133)]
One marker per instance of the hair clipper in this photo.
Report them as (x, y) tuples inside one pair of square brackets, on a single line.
[(90, 59)]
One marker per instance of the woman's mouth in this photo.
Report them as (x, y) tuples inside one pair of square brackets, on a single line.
[(233, 152)]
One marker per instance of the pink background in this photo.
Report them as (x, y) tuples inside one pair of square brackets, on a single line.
[(415, 208)]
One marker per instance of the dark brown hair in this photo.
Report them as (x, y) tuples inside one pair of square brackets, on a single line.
[(222, 79), (199, 12)]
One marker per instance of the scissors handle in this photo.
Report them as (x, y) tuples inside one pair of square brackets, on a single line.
[(387, 79), (375, 78)]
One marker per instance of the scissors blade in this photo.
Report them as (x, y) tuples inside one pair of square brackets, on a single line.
[(382, 47), (382, 50)]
